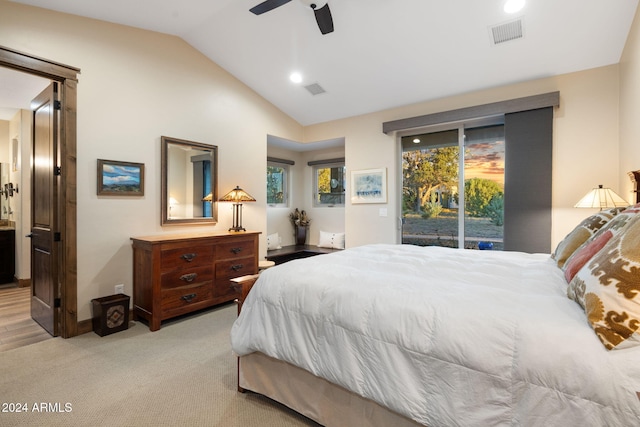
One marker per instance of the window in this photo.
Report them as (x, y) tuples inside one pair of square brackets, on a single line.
[(436, 166), (329, 179), (277, 188)]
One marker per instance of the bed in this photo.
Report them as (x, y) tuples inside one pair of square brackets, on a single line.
[(405, 335)]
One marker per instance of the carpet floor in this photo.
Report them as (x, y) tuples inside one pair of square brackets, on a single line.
[(182, 375)]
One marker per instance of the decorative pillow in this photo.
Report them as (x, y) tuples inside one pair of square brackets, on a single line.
[(331, 240), (581, 234), (584, 253), (273, 242), (608, 289), (610, 229)]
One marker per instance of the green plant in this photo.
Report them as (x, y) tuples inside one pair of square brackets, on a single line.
[(495, 209), (431, 209), (478, 194)]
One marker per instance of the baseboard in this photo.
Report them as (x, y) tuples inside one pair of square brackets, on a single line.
[(23, 283), (85, 326)]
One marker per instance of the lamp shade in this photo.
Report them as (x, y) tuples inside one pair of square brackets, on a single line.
[(601, 198), (237, 195)]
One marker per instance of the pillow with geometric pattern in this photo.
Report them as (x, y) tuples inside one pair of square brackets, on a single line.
[(583, 231), (608, 288), (594, 243)]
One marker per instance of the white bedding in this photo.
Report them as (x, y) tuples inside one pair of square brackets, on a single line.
[(444, 336)]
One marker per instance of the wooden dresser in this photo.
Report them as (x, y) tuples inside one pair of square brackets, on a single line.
[(177, 274)]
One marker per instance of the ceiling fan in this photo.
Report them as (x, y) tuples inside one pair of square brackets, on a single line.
[(320, 9)]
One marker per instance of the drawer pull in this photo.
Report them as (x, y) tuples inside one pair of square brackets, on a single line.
[(237, 267), (189, 277), (188, 297), (236, 250), (189, 257)]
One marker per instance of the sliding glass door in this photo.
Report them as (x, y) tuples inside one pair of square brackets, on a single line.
[(436, 166)]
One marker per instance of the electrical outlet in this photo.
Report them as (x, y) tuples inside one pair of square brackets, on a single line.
[(120, 289)]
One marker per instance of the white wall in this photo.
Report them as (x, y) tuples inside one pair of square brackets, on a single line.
[(301, 194), (586, 147), (134, 87), (20, 129), (630, 107), (4, 142)]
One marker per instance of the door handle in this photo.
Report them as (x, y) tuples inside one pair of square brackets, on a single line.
[(30, 235)]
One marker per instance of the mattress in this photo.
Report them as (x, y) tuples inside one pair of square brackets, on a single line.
[(443, 336)]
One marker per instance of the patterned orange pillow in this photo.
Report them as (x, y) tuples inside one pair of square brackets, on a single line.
[(608, 288), (586, 229)]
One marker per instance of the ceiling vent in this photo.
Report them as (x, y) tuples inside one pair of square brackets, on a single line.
[(506, 32), (315, 89)]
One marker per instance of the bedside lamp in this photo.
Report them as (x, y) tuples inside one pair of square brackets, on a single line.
[(601, 198), (237, 195)]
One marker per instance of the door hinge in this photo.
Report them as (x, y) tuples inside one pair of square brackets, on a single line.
[(57, 170), (57, 105), (57, 236), (56, 303)]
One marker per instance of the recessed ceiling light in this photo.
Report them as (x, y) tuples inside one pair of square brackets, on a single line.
[(296, 77), (513, 6), (416, 141)]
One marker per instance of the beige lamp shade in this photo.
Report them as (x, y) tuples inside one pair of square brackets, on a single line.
[(601, 198), (237, 195)]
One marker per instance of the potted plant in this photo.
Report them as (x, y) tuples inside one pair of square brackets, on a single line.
[(300, 222)]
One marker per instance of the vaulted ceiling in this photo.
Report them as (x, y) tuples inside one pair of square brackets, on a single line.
[(382, 53)]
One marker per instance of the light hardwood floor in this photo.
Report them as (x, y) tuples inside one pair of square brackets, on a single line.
[(17, 328)]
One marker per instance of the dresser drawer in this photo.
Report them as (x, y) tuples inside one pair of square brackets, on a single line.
[(235, 268), (185, 256), (235, 249), (187, 298), (186, 276)]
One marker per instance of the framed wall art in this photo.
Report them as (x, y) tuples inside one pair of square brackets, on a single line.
[(369, 186), (120, 178)]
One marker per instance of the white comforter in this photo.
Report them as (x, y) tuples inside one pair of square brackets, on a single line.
[(444, 336)]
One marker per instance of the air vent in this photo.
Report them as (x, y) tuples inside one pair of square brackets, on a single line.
[(315, 89), (506, 32)]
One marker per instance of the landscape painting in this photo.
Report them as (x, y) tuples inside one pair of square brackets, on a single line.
[(120, 178)]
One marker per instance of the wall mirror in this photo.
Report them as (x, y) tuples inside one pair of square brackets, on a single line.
[(189, 182)]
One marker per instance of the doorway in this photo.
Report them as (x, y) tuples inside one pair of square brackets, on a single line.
[(65, 279)]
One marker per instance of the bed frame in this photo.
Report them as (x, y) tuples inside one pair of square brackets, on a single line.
[(305, 393)]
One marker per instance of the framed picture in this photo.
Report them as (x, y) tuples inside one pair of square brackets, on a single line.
[(369, 186), (120, 178)]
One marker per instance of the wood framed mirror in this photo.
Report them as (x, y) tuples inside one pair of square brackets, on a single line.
[(189, 182)]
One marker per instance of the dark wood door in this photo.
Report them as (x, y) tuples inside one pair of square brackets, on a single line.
[(44, 210)]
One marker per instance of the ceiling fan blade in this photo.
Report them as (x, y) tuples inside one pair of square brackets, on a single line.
[(266, 6), (324, 19)]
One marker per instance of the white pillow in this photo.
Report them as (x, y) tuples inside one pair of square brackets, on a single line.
[(331, 240), (273, 242)]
